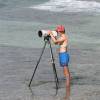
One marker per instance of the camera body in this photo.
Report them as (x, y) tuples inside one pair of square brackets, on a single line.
[(44, 33)]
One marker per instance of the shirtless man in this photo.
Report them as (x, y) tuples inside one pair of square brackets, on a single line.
[(62, 41)]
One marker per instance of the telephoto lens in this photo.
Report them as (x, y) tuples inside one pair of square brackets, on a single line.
[(44, 33)]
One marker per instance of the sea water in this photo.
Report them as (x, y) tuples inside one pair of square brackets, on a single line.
[(20, 21)]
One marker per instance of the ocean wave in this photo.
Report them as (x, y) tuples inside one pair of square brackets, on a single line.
[(69, 6)]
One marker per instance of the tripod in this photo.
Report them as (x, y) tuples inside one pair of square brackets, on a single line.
[(47, 40)]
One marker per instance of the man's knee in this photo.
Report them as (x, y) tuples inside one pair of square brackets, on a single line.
[(66, 72)]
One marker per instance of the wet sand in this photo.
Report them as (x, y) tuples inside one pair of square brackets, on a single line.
[(17, 65)]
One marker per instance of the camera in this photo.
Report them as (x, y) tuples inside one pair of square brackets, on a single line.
[(44, 33)]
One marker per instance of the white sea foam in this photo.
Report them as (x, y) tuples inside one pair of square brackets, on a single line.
[(69, 6)]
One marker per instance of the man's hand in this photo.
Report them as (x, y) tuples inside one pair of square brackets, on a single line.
[(49, 32)]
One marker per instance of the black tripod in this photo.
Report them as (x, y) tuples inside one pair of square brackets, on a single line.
[(47, 40)]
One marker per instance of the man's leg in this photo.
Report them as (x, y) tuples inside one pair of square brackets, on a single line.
[(67, 76)]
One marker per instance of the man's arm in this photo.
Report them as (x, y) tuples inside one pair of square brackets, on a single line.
[(57, 41)]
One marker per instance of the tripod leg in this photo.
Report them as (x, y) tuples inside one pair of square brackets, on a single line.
[(37, 64), (56, 78), (54, 69)]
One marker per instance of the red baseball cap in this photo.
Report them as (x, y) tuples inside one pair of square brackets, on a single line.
[(60, 28)]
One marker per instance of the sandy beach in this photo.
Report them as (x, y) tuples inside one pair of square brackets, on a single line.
[(17, 65)]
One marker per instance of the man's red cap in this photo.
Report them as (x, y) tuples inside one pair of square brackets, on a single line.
[(60, 28)]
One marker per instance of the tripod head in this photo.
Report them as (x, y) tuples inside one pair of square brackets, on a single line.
[(47, 38)]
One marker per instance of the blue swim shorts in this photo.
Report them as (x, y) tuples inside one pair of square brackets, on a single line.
[(63, 59)]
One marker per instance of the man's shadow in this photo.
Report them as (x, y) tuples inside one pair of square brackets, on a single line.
[(84, 80)]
